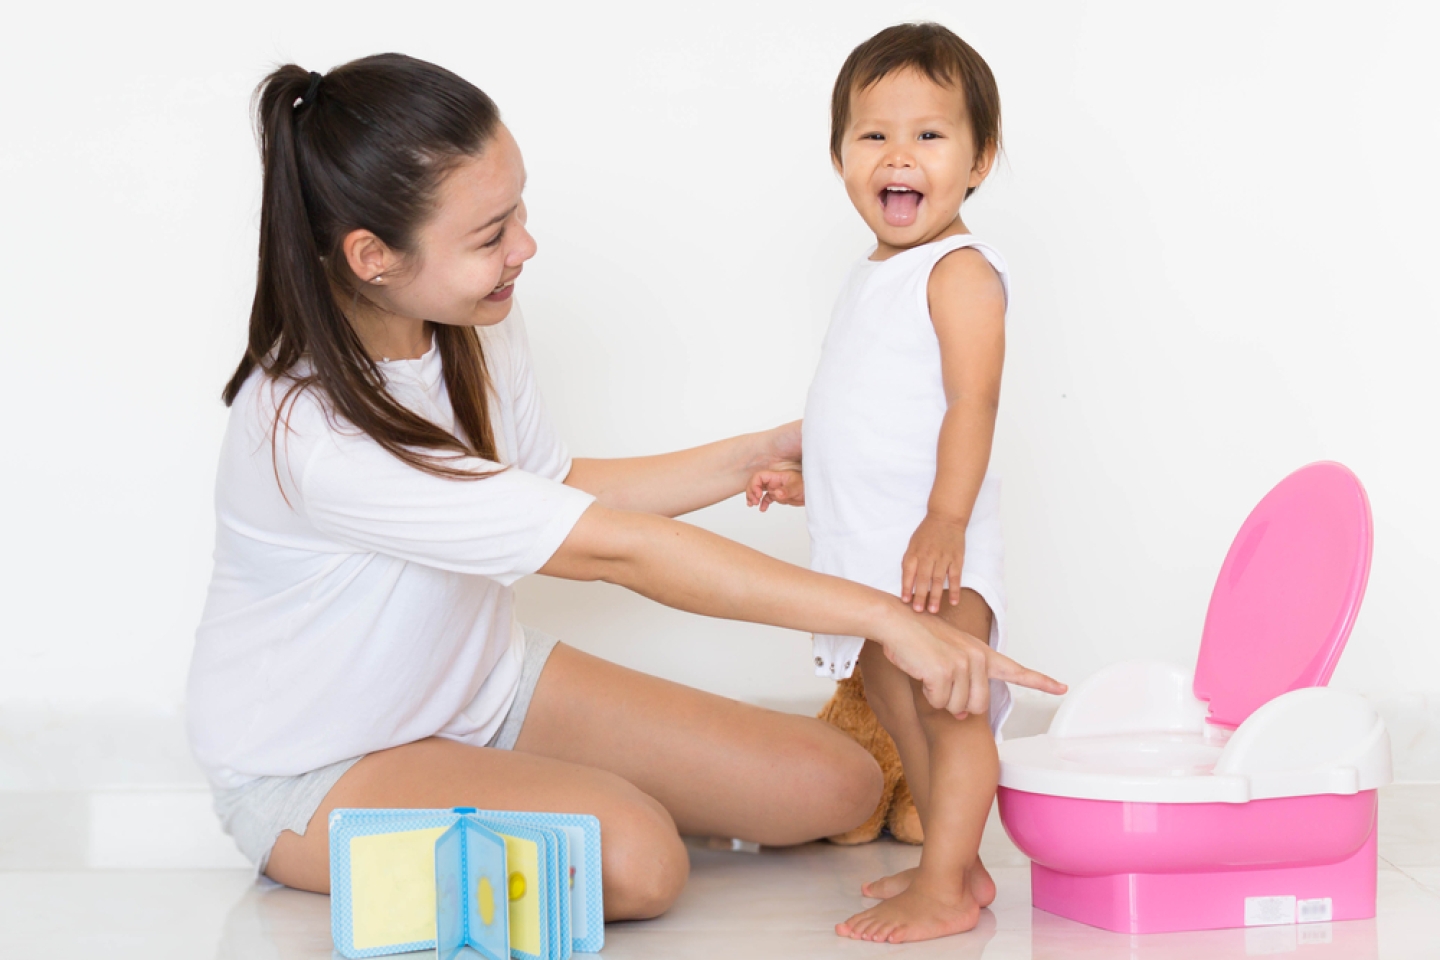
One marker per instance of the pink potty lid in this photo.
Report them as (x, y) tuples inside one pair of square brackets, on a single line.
[(1288, 593)]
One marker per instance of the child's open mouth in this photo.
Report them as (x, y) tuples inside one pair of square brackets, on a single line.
[(900, 204)]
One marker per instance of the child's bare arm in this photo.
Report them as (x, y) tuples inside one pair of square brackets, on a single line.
[(967, 307)]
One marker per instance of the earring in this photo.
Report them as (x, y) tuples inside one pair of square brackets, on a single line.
[(378, 278)]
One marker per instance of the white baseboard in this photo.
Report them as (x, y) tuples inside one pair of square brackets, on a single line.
[(55, 751)]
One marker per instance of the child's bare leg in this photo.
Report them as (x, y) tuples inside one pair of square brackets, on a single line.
[(972, 615), (887, 689), (945, 758)]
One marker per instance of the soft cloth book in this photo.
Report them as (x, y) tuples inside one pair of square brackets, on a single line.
[(465, 883)]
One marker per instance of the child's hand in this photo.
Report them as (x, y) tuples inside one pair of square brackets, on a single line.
[(936, 552), (775, 486)]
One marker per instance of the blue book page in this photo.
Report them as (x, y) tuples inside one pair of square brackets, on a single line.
[(486, 902), (587, 900), (549, 890), (451, 934), (563, 891), (557, 890), (528, 860), (382, 879), (587, 926)]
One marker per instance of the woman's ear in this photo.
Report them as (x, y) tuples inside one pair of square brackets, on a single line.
[(367, 255), (984, 161)]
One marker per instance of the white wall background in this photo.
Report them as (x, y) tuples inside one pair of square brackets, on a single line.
[(1220, 220)]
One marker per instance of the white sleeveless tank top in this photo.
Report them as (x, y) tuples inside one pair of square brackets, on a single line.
[(872, 426)]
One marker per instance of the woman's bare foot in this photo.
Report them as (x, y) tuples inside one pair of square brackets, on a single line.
[(982, 886), (916, 913)]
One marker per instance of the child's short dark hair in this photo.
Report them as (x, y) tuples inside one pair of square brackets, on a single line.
[(932, 50)]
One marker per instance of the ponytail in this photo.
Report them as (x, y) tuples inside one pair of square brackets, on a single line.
[(364, 147)]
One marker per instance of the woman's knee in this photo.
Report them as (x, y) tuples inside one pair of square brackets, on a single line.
[(852, 781), (645, 861), (831, 784)]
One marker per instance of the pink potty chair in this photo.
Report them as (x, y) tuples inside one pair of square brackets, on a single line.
[(1245, 796)]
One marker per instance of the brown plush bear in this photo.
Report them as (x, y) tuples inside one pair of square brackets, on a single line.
[(849, 711)]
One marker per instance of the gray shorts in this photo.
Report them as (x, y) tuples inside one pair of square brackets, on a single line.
[(255, 813)]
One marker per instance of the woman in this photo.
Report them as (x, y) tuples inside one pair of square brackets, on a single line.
[(388, 472)]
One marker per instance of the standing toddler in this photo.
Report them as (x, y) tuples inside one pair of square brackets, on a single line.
[(898, 429)]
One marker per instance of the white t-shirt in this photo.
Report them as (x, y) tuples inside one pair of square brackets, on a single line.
[(374, 608)]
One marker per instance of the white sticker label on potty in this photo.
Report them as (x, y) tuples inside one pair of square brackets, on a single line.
[(1266, 911), (1316, 911)]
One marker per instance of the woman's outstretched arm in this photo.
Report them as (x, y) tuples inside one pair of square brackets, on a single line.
[(691, 569), (671, 484)]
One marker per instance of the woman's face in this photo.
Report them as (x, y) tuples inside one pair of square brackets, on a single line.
[(472, 248)]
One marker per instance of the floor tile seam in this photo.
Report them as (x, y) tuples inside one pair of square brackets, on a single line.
[(111, 872), (720, 927), (1423, 885), (109, 786)]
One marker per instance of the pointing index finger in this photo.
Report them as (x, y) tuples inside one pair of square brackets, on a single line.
[(1003, 668)]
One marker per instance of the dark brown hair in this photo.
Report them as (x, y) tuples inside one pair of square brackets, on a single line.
[(933, 51), (363, 147)]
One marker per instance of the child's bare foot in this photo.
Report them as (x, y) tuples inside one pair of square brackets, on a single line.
[(982, 887), (916, 913), (887, 887)]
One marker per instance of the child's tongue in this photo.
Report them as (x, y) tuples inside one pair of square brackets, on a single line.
[(900, 207)]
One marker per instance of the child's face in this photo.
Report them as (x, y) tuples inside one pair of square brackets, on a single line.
[(908, 157)]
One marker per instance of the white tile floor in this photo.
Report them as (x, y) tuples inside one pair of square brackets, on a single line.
[(70, 888)]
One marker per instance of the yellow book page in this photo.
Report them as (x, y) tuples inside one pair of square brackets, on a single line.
[(392, 887), (523, 860)]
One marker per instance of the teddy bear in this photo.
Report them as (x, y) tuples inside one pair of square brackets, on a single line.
[(850, 712)]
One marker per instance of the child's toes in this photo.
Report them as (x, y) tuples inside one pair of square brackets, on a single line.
[(864, 926)]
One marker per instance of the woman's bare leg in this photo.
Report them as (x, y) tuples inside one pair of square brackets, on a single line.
[(640, 753), (721, 768), (645, 863)]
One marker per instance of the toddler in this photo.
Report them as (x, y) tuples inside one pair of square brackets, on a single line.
[(898, 427)]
